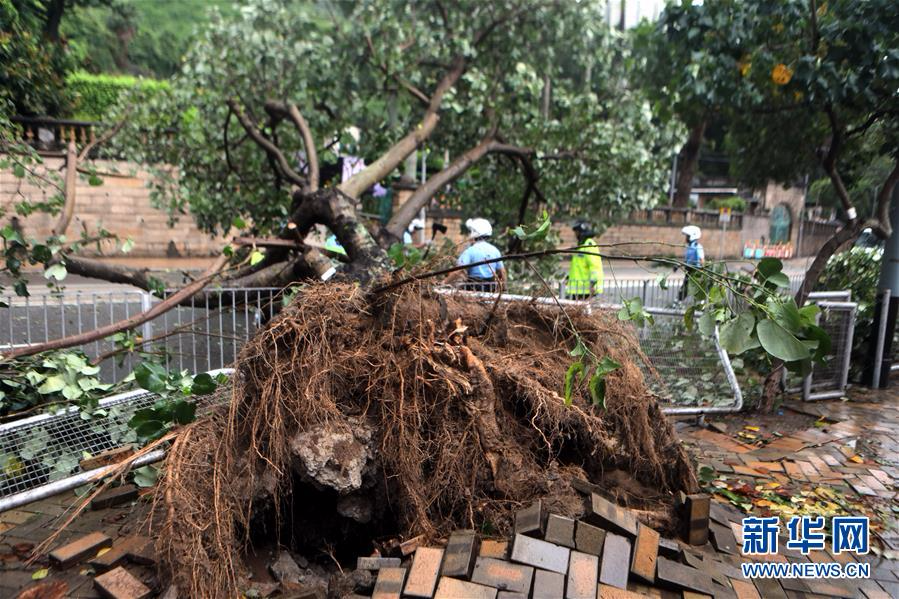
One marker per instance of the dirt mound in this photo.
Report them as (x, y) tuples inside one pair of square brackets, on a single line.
[(406, 412)]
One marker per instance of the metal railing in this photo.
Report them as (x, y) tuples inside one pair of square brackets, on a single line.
[(203, 334)]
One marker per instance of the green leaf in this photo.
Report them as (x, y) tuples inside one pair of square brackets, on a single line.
[(40, 574), (21, 289), (537, 234), (55, 271), (735, 335), (785, 313), (808, 314), (824, 342), (779, 342), (575, 370), (256, 257), (768, 267), (53, 384), (238, 223), (41, 253), (183, 411), (606, 365), (94, 181), (779, 280), (151, 376), (19, 171), (579, 349), (597, 387), (145, 477), (203, 384), (707, 323), (127, 246)]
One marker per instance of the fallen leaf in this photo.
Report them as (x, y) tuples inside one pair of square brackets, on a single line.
[(103, 550), (857, 459), (40, 574), (752, 428)]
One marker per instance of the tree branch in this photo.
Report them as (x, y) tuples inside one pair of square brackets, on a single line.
[(380, 168), (96, 269), (829, 162), (129, 323), (293, 113), (270, 149)]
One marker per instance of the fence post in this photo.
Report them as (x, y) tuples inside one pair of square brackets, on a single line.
[(146, 302)]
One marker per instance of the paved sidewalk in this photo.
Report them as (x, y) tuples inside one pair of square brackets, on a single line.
[(832, 458)]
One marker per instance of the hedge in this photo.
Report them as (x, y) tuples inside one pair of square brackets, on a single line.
[(94, 95)]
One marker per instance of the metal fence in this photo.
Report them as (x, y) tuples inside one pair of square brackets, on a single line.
[(41, 456), (830, 378), (203, 334)]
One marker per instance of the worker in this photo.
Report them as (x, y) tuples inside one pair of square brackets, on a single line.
[(480, 277), (416, 225), (694, 256), (585, 276)]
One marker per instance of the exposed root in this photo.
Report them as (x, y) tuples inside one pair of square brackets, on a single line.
[(465, 429)]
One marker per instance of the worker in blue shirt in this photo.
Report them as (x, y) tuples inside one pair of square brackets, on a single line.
[(480, 277), (694, 256)]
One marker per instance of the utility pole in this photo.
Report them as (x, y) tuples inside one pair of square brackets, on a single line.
[(877, 371)]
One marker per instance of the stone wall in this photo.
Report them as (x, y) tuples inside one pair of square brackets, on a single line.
[(121, 205)]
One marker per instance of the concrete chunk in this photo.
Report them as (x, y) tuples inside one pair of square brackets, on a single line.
[(461, 550), (548, 585), (502, 575), (121, 584), (583, 573), (450, 588), (540, 554), (75, 551), (424, 572), (616, 560)]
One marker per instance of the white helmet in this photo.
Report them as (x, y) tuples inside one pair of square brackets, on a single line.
[(416, 225), (692, 232), (478, 227)]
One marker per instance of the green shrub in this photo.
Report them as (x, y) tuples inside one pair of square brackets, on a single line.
[(95, 95), (735, 203)]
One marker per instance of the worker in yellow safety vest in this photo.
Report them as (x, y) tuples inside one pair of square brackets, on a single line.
[(585, 277)]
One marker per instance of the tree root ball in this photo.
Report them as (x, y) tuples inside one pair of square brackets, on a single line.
[(432, 410)]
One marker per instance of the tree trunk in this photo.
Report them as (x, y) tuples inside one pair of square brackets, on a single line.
[(55, 10), (687, 161), (772, 385)]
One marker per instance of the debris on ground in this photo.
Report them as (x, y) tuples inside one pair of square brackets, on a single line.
[(355, 415)]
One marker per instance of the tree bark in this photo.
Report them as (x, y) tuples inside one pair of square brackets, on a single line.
[(55, 10), (68, 207), (687, 162)]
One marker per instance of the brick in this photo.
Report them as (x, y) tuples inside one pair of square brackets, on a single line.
[(669, 548), (560, 530), (376, 563), (745, 589), (77, 550), (492, 548), (105, 458), (548, 585), (113, 557), (450, 588), (609, 592), (389, 584), (461, 550), (616, 561), (589, 538), (409, 546), (723, 539), (424, 572), (583, 574), (511, 595), (676, 575), (531, 521), (540, 554), (121, 584), (646, 551), (142, 551), (695, 514), (606, 514), (502, 575)]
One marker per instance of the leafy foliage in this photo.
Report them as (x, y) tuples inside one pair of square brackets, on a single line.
[(53, 380), (173, 406)]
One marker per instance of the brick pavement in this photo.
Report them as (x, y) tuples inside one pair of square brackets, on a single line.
[(841, 455)]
